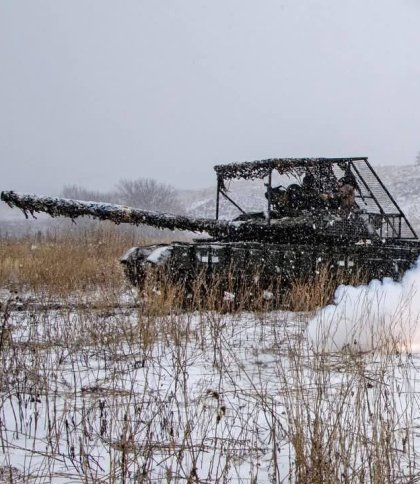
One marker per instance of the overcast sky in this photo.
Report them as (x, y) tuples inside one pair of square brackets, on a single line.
[(92, 91)]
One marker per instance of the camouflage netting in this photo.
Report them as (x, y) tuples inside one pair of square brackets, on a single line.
[(260, 169), (62, 207)]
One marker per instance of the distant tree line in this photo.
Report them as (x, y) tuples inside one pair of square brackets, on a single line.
[(77, 192), (144, 193)]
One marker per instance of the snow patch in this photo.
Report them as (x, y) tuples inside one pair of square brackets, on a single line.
[(160, 255)]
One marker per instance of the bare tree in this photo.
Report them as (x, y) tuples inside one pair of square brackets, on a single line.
[(148, 194), (77, 192)]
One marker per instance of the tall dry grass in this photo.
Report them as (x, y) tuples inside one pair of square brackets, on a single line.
[(69, 261), (318, 290)]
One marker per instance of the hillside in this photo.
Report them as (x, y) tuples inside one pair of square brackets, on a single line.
[(403, 182)]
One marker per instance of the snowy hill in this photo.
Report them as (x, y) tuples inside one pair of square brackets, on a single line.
[(403, 182)]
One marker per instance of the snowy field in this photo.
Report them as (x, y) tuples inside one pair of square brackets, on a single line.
[(119, 394)]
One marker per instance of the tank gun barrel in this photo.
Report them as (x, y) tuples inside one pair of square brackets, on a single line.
[(55, 207), (287, 229)]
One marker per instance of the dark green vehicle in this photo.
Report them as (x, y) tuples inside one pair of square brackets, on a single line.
[(331, 213)]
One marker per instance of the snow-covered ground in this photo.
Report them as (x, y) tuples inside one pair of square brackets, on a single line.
[(122, 395)]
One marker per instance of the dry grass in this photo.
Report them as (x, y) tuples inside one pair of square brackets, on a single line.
[(71, 261), (318, 291)]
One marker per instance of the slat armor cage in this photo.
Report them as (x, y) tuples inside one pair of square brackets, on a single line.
[(374, 203)]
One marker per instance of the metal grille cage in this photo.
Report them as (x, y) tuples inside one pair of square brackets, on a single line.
[(378, 205)]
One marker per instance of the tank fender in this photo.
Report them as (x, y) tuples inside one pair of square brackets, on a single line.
[(136, 259), (154, 254), (160, 255), (137, 254)]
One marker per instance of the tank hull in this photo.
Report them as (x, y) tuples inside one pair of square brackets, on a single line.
[(269, 266)]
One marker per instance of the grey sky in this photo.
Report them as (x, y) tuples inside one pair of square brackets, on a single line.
[(92, 91)]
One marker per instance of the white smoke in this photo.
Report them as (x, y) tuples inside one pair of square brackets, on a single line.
[(368, 317)]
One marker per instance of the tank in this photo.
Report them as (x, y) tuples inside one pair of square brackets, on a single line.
[(319, 213)]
